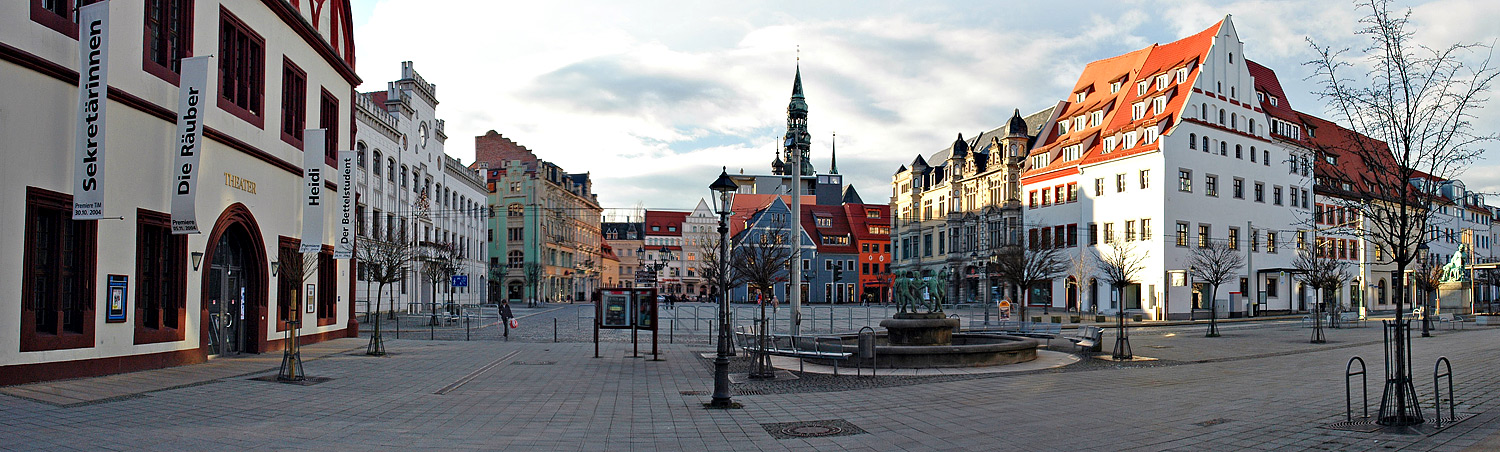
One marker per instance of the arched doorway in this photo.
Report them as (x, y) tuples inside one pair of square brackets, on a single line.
[(233, 302), (513, 291), (1072, 284)]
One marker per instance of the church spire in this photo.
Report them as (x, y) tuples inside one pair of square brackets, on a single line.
[(797, 140), (833, 155)]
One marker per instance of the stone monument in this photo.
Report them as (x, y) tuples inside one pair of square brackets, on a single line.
[(1454, 285)]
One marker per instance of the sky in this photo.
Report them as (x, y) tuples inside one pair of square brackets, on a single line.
[(653, 97)]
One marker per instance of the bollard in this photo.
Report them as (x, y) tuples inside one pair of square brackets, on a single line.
[(672, 330), (431, 331), (466, 327), (554, 329)]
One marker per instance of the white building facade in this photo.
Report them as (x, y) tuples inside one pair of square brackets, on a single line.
[(411, 190), (122, 293)]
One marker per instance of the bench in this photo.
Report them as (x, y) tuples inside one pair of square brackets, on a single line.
[(1351, 318), (1088, 337), (1453, 321), (787, 345)]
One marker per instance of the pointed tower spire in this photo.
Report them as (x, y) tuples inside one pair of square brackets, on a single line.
[(833, 155)]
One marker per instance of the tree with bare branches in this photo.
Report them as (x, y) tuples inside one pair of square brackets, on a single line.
[(441, 264), (710, 266), (385, 263), (1028, 266), (1215, 264), (1081, 267), (1426, 275), (303, 267), (1121, 265), (1411, 108), (1321, 272), (533, 272), (761, 258)]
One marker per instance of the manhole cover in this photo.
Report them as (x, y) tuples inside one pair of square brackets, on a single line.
[(1211, 422), (812, 429)]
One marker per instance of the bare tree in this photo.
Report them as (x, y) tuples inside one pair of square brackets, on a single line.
[(761, 258), (1215, 264), (1121, 265), (532, 271), (302, 266), (1411, 107), (1028, 266), (441, 264), (710, 266), (385, 263), (1081, 267), (1321, 272), (1425, 278)]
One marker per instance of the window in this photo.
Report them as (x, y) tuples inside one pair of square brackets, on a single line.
[(1093, 234), (1129, 230), (1161, 81), (390, 166), (1130, 139), (1205, 112), (1252, 154), (1270, 241), (1159, 105), (1223, 148), (1140, 88), (328, 118), (514, 234), (1239, 152), (1234, 120), (1302, 240), (1080, 96), (1047, 196), (1211, 185), (1239, 188), (1221, 117), (1072, 235), (1192, 141), (57, 308), (1098, 187), (1145, 179), (1265, 156), (1145, 229), (1151, 134), (1203, 235), (169, 37), (328, 285), (1109, 232), (515, 259), (1206, 147), (1185, 181), (1182, 234), (1260, 192), (516, 210), (1096, 118), (1182, 74), (1120, 183), (1234, 238), (1138, 110), (1070, 153), (1114, 87), (1293, 196), (293, 103), (1110, 143), (359, 154), (161, 279), (1252, 126), (376, 160), (1072, 192), (1276, 195), (241, 69)]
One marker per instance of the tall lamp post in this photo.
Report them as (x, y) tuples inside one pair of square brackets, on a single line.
[(655, 267), (1422, 256), (724, 187)]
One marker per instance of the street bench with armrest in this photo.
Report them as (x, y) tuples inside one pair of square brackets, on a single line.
[(787, 345), (1087, 337)]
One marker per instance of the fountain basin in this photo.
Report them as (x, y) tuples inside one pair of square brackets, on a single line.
[(965, 350)]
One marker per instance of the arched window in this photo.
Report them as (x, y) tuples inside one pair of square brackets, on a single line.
[(1206, 148), (1252, 153), (1192, 141), (1221, 117), (1252, 126), (1223, 148), (1239, 151), (1205, 111), (1380, 291), (515, 259), (390, 166), (1234, 121), (359, 154), (377, 163)]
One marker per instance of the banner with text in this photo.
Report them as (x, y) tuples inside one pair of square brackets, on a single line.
[(343, 247), (312, 191), (192, 94), (93, 84)]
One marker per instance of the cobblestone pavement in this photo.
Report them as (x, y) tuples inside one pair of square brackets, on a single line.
[(1261, 386)]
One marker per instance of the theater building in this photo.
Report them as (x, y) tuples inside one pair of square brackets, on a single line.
[(94, 279)]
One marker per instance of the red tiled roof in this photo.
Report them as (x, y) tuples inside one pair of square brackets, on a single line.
[(1129, 69), (860, 224), (664, 222), (838, 225), (1266, 81)]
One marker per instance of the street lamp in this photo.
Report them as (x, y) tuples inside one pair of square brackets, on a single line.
[(725, 188), (1422, 256)]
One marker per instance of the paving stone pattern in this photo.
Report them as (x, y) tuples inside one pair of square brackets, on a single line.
[(1260, 387)]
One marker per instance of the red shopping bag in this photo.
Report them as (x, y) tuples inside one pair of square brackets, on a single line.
[(514, 323)]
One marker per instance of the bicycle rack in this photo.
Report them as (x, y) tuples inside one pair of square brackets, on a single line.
[(1364, 382), (1437, 399), (866, 347)]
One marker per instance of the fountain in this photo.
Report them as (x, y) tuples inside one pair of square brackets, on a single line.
[(921, 336)]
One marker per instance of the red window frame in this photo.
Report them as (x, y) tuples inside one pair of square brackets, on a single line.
[(327, 310), (328, 118), (293, 103), (242, 70), (161, 279), (65, 23), (287, 280), (52, 266), (177, 45)]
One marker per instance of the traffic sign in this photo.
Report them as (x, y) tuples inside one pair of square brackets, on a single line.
[(460, 280)]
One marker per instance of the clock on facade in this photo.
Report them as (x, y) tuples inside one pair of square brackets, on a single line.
[(422, 136)]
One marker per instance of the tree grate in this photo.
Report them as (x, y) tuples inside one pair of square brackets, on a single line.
[(812, 429), (1368, 425)]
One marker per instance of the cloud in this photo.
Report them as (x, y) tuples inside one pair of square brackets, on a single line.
[(652, 97)]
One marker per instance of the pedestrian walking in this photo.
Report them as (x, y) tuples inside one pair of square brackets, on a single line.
[(505, 316)]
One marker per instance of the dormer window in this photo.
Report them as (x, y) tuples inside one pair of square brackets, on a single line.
[(1039, 161), (1079, 123), (1110, 143), (1071, 153), (1159, 105), (1182, 75), (1062, 127), (1151, 133), (1097, 118), (1260, 96), (1081, 95), (1161, 81), (1114, 87), (1140, 88), (1130, 139), (1137, 111)]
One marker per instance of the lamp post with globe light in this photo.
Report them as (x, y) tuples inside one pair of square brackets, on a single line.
[(724, 188)]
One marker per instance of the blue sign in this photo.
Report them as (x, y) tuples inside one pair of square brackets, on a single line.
[(460, 280)]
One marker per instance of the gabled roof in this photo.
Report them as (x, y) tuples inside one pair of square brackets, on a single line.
[(1128, 70), (838, 225), (851, 196), (860, 222)]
